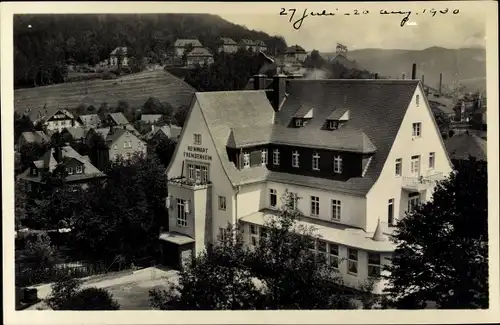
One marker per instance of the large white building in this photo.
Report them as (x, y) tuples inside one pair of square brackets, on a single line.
[(357, 153)]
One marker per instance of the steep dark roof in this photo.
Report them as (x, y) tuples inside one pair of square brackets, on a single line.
[(90, 119), (376, 111), (228, 41), (295, 49), (119, 118), (463, 145), (35, 137), (199, 51)]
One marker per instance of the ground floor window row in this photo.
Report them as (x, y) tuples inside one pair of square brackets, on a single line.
[(327, 250)]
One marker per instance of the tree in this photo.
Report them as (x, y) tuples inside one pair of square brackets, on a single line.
[(281, 272), (181, 115), (314, 61), (20, 199), (442, 246), (92, 299), (62, 291), (164, 149)]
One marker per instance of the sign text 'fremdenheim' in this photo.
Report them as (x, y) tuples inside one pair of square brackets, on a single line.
[(197, 153)]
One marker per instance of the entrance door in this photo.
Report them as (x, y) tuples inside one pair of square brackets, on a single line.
[(415, 166)]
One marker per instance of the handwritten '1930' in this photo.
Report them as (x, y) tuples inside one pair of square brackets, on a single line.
[(297, 24)]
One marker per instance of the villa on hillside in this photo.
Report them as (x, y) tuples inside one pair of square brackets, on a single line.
[(260, 46), (295, 52), (119, 54), (352, 171), (53, 119), (199, 56), (228, 45), (181, 45), (248, 44), (119, 141)]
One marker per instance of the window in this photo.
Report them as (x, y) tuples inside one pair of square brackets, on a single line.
[(399, 163), (79, 169), (315, 164), (336, 209), (417, 100), (298, 122), (70, 170), (432, 160), (191, 174), (197, 139), (334, 255), (415, 165), (130, 144), (115, 147), (314, 206), (263, 155), (374, 267), (322, 250), (181, 213), (222, 203), (198, 173), (293, 199), (337, 164), (417, 130), (125, 144), (390, 212), (222, 236), (333, 125), (413, 201), (276, 157), (204, 174), (352, 267), (273, 198), (246, 160), (254, 235), (295, 158)]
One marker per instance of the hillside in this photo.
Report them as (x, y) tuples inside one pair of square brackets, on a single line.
[(52, 40), (467, 65), (134, 89)]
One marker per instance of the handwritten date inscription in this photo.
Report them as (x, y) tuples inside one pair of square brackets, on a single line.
[(297, 18)]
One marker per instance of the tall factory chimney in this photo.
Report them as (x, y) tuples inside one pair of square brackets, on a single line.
[(414, 71), (440, 82)]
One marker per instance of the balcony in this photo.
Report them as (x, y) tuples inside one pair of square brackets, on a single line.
[(184, 182), (422, 183)]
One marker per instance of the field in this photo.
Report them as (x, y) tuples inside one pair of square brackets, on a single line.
[(134, 89)]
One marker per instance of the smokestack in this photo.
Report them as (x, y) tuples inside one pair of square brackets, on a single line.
[(279, 87), (376, 75), (440, 82), (403, 76), (259, 81), (423, 80), (414, 71)]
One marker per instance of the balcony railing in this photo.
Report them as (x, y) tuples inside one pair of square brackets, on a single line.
[(422, 182), (184, 181)]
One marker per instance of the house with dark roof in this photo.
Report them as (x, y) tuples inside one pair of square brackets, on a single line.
[(163, 132), (296, 52), (248, 44), (123, 143), (351, 156), (51, 118), (77, 134), (60, 160), (89, 120), (228, 45), (181, 45), (199, 56), (35, 137), (116, 119), (260, 46), (466, 145), (119, 55)]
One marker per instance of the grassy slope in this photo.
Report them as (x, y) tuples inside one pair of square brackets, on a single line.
[(134, 89)]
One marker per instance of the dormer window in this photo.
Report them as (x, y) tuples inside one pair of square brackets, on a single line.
[(70, 170), (299, 122), (79, 169), (333, 125), (34, 171)]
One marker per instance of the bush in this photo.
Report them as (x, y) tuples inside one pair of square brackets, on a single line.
[(62, 291), (92, 299)]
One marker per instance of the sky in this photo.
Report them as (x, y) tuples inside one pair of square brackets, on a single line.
[(466, 29)]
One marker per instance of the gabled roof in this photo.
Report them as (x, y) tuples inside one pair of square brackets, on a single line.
[(35, 137), (119, 118), (44, 113), (199, 52), (337, 113), (248, 42), (463, 145), (376, 111), (260, 43), (295, 49), (184, 42), (151, 118), (48, 161), (113, 135), (90, 119), (118, 49), (303, 110), (170, 131), (228, 41), (77, 132)]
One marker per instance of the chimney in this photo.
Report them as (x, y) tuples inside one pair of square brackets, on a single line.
[(414, 71), (58, 153), (152, 127), (403, 76), (379, 234), (440, 82), (259, 81), (279, 87), (111, 128), (423, 83), (376, 75)]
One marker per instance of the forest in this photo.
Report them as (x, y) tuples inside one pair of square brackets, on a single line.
[(43, 44)]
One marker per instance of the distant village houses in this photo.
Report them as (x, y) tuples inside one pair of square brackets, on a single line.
[(261, 46), (182, 44), (52, 119), (295, 52), (228, 45), (35, 137), (89, 120), (118, 55), (248, 44), (151, 118), (199, 56)]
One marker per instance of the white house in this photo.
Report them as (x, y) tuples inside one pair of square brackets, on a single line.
[(357, 154), (54, 119)]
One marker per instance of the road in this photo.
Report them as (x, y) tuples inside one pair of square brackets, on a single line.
[(130, 289)]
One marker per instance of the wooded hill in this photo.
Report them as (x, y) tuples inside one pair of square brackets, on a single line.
[(43, 44)]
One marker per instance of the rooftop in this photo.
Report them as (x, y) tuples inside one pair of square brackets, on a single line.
[(197, 52), (463, 145), (121, 50), (228, 41), (184, 42)]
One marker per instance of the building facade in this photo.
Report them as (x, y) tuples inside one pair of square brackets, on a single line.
[(119, 55), (355, 163), (181, 45), (199, 56), (228, 45)]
